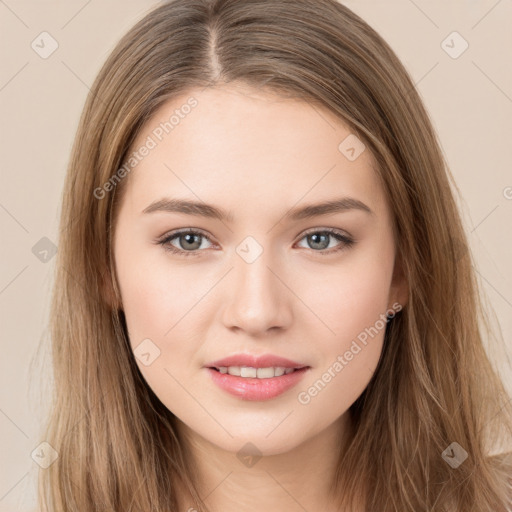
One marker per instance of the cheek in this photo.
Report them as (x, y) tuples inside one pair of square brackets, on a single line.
[(349, 354), (352, 304), (156, 303), (163, 304), (147, 309), (348, 299), (154, 294)]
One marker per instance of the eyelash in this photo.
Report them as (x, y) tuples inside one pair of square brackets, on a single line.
[(165, 242)]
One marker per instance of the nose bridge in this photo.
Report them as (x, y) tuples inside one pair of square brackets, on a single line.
[(257, 300)]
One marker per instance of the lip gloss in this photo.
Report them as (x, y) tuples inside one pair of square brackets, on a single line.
[(248, 388)]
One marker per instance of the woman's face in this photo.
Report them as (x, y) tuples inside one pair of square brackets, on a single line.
[(267, 280)]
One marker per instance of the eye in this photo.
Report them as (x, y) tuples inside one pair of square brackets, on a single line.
[(189, 241), (319, 239)]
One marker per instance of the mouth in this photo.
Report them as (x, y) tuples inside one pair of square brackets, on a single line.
[(256, 384), (250, 372)]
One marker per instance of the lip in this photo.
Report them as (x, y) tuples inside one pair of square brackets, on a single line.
[(248, 388), (263, 361)]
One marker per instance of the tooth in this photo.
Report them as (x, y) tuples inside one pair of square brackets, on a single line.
[(234, 370), (247, 371), (265, 373), (258, 373)]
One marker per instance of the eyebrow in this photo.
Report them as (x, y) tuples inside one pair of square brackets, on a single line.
[(201, 209)]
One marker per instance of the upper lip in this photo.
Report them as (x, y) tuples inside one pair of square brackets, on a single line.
[(263, 361)]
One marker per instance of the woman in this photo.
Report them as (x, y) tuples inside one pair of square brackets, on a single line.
[(264, 294)]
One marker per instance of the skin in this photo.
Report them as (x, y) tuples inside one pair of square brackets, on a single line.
[(256, 155)]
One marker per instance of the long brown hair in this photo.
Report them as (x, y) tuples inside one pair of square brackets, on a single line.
[(435, 386)]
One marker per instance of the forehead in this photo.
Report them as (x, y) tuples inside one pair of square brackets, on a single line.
[(243, 148)]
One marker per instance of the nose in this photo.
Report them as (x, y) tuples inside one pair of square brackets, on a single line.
[(258, 298)]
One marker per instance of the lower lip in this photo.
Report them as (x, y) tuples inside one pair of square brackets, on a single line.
[(249, 388)]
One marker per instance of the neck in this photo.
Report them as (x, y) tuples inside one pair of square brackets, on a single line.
[(296, 480)]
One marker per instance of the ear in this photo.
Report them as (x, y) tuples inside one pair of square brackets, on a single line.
[(399, 288), (109, 295)]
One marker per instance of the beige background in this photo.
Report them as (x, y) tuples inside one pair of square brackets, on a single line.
[(469, 99)]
